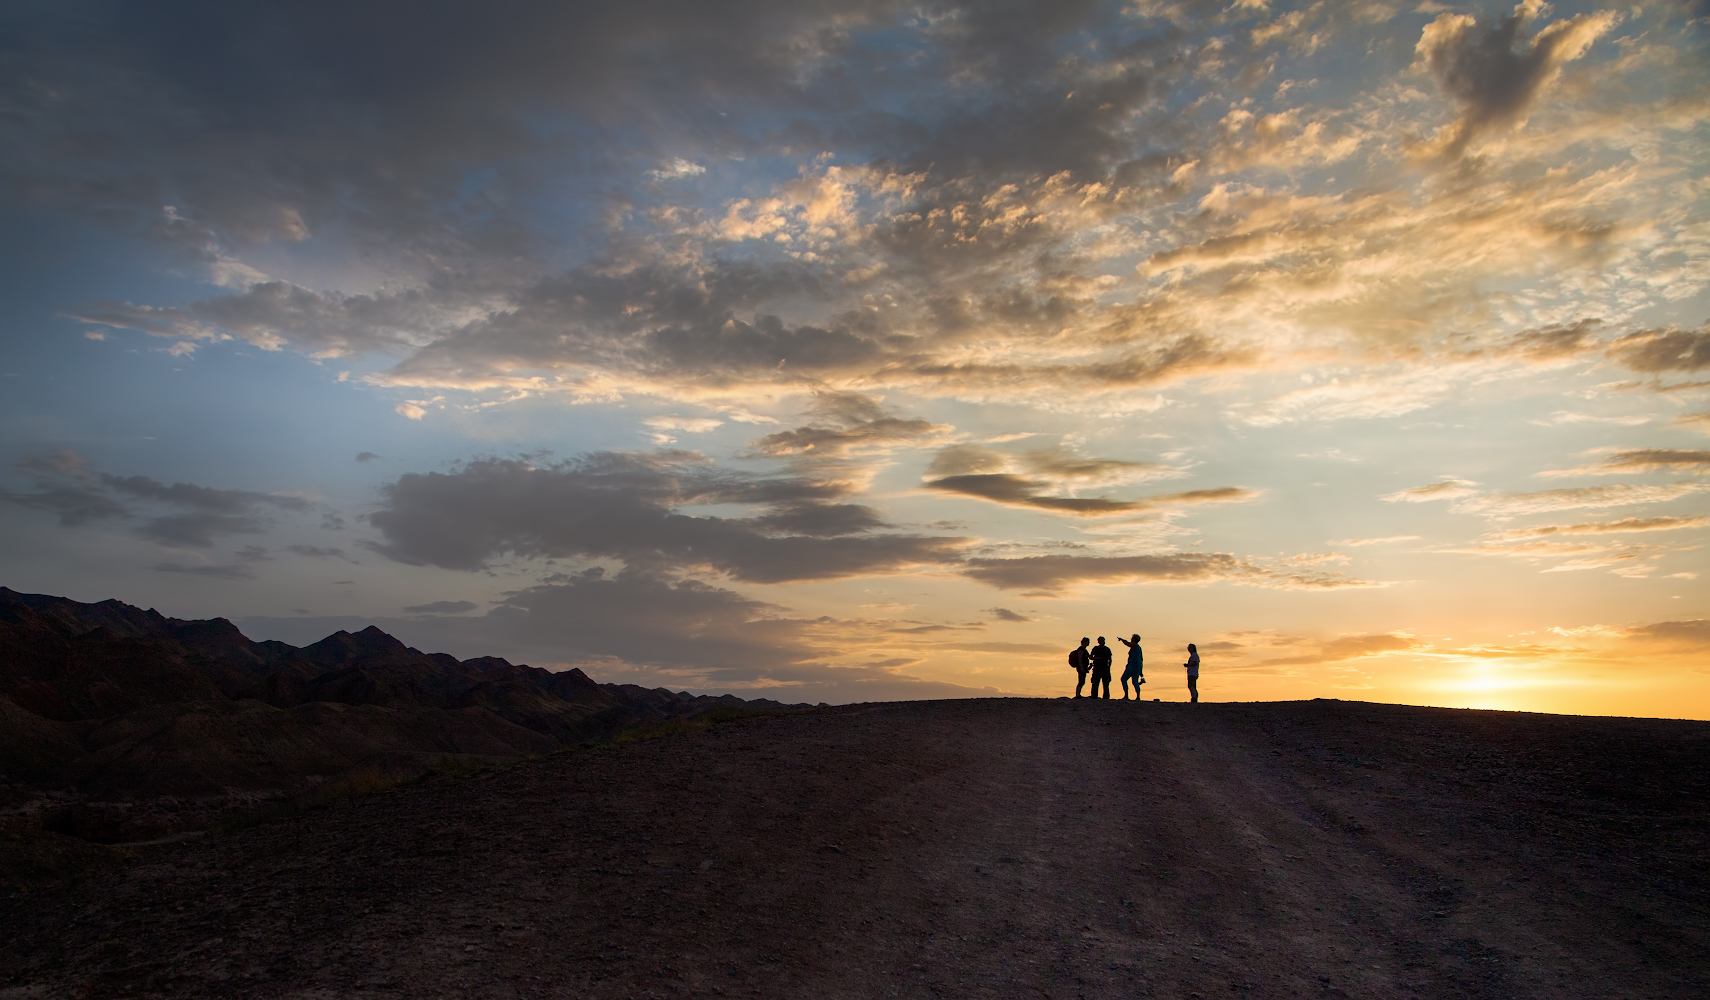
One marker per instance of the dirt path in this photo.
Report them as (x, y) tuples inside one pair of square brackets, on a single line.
[(1005, 848)]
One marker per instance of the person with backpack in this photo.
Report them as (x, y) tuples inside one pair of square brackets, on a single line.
[(1080, 660), (1136, 669), (1101, 668)]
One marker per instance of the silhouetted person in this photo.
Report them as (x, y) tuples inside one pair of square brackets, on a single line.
[(1080, 660), (1136, 669), (1101, 667), (1192, 666)]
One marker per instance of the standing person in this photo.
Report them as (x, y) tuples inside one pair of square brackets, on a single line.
[(1136, 668), (1192, 666), (1101, 668), (1080, 660)]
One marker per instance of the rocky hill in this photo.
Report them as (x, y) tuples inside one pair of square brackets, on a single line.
[(118, 723)]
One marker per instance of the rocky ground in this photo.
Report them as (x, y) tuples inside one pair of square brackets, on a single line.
[(1001, 848)]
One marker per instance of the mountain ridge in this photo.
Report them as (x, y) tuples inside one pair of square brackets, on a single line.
[(121, 723)]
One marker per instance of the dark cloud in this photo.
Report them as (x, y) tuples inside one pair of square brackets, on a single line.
[(844, 424), (316, 552), (216, 572), (823, 520), (245, 116), (1050, 574), (1550, 343), (198, 528), (1006, 615), (67, 485), (1155, 360), (1493, 71), (441, 608), (1024, 491), (978, 471), (1691, 634), (626, 507), (1658, 351), (199, 497), (366, 456)]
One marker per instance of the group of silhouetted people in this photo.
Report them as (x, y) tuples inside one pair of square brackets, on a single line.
[(1096, 661)]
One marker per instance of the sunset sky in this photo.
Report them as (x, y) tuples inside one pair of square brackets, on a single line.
[(844, 351)]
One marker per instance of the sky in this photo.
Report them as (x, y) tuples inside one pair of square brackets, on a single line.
[(862, 351)]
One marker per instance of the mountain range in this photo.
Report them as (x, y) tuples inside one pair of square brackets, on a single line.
[(119, 724)]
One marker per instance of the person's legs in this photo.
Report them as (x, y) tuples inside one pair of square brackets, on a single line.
[(1080, 681), (1193, 688), (1104, 676)]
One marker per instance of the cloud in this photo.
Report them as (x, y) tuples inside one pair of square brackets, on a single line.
[(1492, 74), (316, 552), (69, 486), (1626, 524), (1692, 635), (1350, 647), (846, 424), (692, 425), (625, 507), (1659, 351), (1585, 546), (1643, 460), (1446, 489), (977, 242), (1507, 505), (216, 572), (441, 608), (676, 169), (1037, 479), (1050, 574), (366, 456), (1387, 539), (1006, 615), (1696, 421)]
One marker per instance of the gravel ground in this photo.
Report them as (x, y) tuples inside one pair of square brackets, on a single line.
[(992, 848)]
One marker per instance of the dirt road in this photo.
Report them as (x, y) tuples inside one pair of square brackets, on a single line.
[(1002, 848)]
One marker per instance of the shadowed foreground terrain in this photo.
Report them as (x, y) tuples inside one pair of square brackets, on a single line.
[(999, 848)]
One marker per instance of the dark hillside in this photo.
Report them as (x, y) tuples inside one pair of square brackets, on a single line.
[(143, 725)]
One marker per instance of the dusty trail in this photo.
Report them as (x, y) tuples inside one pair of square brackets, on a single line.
[(1004, 848)]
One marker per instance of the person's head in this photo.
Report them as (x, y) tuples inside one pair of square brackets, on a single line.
[(1192, 648), (1101, 640), (1136, 637), (1085, 640)]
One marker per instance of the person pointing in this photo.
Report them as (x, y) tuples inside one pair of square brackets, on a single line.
[(1136, 669)]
